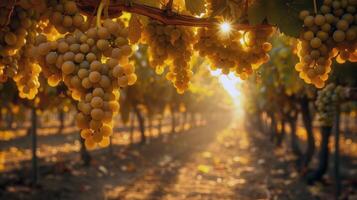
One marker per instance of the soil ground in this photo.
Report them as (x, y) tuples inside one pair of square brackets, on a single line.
[(215, 161)]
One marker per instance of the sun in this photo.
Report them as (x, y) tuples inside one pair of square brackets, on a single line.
[(225, 27)]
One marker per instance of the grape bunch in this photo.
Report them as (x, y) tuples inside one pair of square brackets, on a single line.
[(170, 44), (9, 67), (16, 40), (327, 101), (328, 34), (239, 52), (93, 65), (65, 16), (27, 77), (13, 35)]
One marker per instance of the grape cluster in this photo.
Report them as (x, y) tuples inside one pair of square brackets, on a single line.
[(330, 33), (173, 45), (27, 77), (241, 52), (16, 40), (13, 36), (93, 65), (65, 16), (327, 101)]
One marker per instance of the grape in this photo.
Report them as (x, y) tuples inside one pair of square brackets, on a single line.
[(315, 43), (303, 14), (97, 102), (339, 36), (94, 77), (104, 142), (90, 143), (95, 124), (68, 67), (10, 38), (86, 133), (106, 130), (319, 20)]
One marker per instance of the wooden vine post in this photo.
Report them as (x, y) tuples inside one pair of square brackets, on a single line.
[(337, 153), (34, 145)]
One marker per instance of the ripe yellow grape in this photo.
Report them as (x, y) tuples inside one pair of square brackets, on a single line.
[(68, 67), (86, 133), (106, 130), (104, 142), (94, 77), (96, 102)]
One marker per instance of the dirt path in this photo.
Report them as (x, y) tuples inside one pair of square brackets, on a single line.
[(212, 162)]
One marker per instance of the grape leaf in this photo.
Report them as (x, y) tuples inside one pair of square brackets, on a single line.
[(196, 7), (283, 13), (135, 29), (217, 7), (257, 12)]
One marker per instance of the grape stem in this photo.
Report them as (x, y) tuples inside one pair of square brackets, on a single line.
[(315, 6), (99, 13), (11, 10), (106, 9), (168, 8), (87, 6), (104, 4), (246, 7), (169, 5)]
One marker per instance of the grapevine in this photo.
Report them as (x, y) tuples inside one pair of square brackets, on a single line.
[(84, 44)]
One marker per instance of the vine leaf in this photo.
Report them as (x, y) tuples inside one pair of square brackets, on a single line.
[(257, 12), (217, 7), (135, 29), (283, 13), (196, 7)]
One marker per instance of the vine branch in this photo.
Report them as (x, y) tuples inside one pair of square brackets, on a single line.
[(115, 8)]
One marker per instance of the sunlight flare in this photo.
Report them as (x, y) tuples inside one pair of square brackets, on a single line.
[(225, 27)]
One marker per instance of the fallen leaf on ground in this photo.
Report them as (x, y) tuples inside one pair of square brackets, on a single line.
[(203, 168), (130, 167), (103, 169)]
